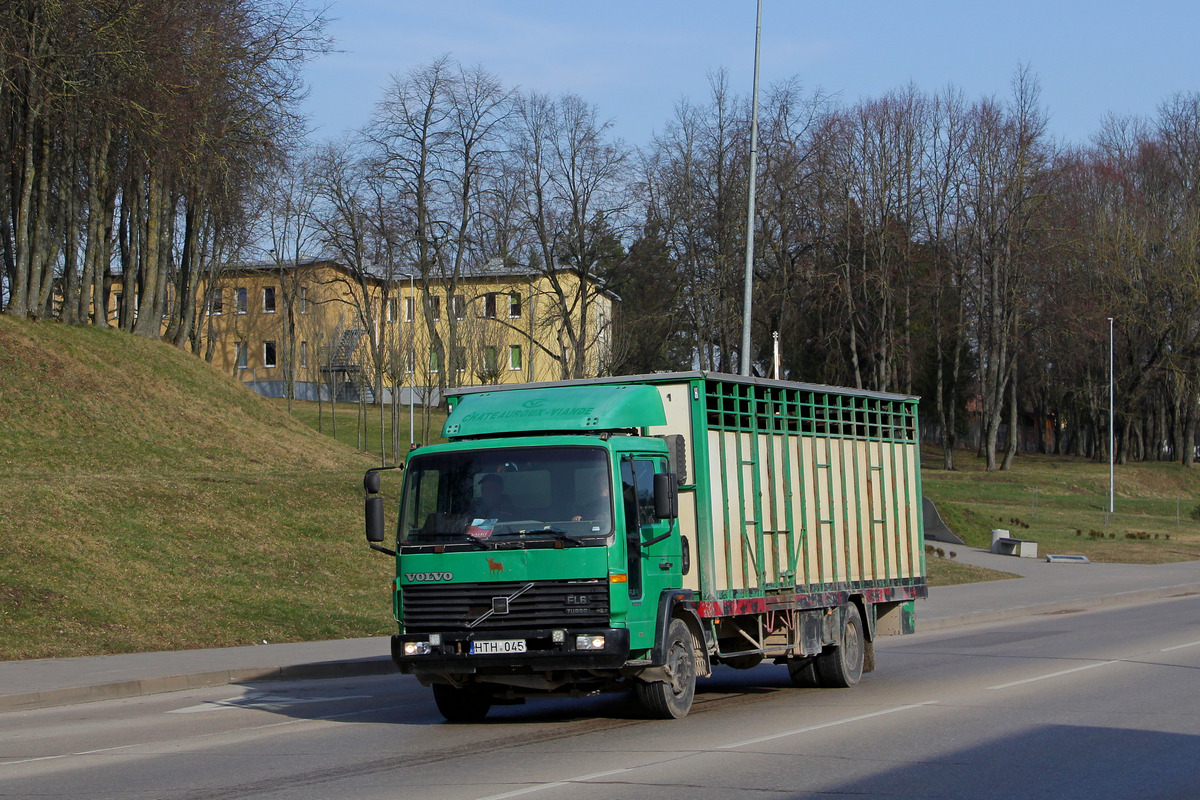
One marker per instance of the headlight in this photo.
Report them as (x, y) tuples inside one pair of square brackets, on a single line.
[(417, 649), (589, 642)]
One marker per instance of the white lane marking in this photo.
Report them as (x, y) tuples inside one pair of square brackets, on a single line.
[(556, 784), (264, 701), (1057, 674), (825, 725), (1179, 647)]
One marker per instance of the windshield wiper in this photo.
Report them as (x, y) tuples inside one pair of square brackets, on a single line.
[(431, 539), (557, 533)]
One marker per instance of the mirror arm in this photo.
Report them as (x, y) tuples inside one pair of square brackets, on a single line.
[(660, 537), (381, 549)]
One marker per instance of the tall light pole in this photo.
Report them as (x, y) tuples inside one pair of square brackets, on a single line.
[(748, 289), (412, 357), (1112, 457)]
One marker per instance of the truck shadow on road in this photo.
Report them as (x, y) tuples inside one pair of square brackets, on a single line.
[(400, 699)]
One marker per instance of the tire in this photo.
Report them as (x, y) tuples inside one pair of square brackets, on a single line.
[(803, 672), (469, 703), (672, 698), (841, 665)]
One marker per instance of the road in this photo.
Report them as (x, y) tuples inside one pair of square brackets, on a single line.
[(1103, 704)]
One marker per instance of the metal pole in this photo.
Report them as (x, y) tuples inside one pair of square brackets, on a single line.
[(412, 362), (748, 290), (775, 337), (1112, 456)]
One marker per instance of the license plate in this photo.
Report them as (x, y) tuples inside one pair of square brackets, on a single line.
[(485, 646)]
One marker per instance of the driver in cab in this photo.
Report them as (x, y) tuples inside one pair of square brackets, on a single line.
[(493, 503)]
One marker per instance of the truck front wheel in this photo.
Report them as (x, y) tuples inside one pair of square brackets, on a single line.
[(672, 698), (469, 703), (841, 665)]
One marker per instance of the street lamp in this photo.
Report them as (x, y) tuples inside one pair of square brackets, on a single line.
[(1112, 457), (748, 289)]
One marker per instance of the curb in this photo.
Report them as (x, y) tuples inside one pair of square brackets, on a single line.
[(1074, 606), (356, 668)]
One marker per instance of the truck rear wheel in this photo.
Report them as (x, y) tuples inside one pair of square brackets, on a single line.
[(803, 672), (469, 703), (841, 665), (672, 698)]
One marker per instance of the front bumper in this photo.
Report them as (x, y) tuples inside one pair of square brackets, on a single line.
[(452, 655)]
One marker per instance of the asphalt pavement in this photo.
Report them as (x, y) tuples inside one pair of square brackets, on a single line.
[(1040, 587)]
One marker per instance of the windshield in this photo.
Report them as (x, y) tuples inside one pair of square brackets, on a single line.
[(508, 496)]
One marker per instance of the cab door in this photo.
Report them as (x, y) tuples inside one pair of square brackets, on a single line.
[(652, 546)]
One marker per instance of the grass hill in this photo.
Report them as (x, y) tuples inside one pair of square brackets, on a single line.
[(147, 502), (1062, 502)]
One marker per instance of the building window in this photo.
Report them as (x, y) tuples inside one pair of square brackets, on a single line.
[(241, 301), (458, 304), (304, 355), (514, 305), (489, 359), (514, 357), (269, 354), (408, 309), (435, 307), (218, 305), (435, 363), (268, 299), (242, 351), (458, 358), (391, 309), (489, 305), (303, 299)]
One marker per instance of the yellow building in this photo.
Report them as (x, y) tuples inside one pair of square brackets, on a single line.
[(318, 326)]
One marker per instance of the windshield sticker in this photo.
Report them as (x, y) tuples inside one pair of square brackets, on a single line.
[(481, 528)]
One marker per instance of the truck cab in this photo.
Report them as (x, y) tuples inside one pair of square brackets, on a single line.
[(537, 560)]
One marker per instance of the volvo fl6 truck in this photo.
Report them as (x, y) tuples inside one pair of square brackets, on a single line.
[(633, 533)]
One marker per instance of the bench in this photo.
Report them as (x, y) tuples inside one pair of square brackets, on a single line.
[(1007, 546)]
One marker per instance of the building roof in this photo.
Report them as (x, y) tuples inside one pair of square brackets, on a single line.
[(492, 268)]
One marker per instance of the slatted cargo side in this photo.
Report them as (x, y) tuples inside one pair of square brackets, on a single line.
[(798, 488)]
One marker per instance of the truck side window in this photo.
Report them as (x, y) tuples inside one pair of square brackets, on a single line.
[(637, 495)]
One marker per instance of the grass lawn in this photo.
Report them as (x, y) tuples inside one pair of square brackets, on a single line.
[(422, 426), (940, 571), (1062, 504)]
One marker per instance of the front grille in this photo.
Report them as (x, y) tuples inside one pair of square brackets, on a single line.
[(447, 607)]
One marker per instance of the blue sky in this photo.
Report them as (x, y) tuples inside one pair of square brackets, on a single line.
[(636, 60)]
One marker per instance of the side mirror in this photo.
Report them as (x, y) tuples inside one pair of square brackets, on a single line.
[(375, 518), (374, 508), (666, 496)]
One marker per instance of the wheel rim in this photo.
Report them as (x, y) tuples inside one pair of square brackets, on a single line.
[(677, 668), (852, 645)]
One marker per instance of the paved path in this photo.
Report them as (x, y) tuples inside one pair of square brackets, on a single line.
[(1041, 588)]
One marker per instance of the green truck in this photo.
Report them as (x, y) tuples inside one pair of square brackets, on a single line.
[(632, 533)]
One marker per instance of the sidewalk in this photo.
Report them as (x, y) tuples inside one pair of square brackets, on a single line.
[(1042, 588)]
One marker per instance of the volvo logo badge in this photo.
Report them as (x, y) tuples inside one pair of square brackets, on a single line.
[(426, 577)]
